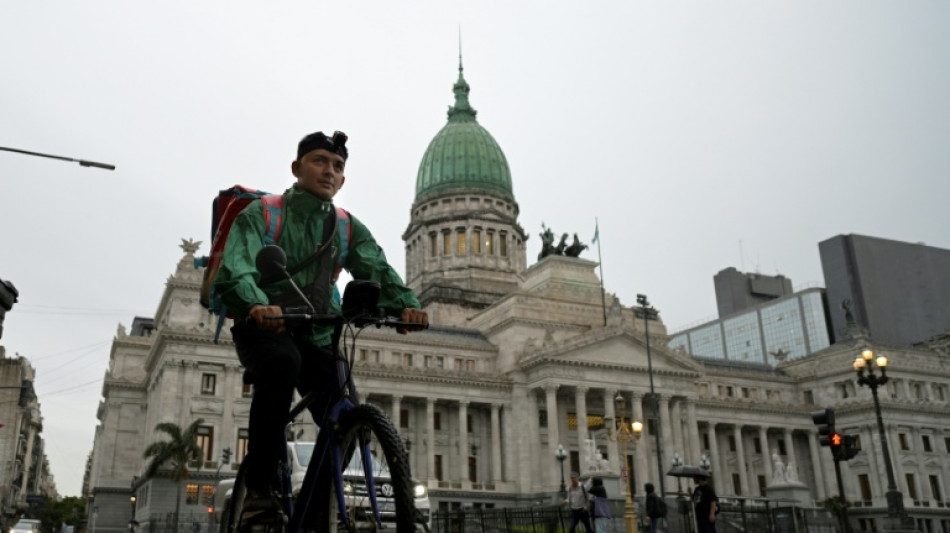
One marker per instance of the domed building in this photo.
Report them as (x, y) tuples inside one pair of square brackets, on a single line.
[(464, 246), (521, 363)]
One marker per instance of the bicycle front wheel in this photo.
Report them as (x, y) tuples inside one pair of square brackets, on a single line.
[(365, 427)]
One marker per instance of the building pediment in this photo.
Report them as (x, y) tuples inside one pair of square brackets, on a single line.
[(614, 347)]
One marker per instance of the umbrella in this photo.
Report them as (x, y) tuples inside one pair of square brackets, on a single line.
[(688, 471)]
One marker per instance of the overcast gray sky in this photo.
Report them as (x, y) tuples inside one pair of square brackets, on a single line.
[(702, 135)]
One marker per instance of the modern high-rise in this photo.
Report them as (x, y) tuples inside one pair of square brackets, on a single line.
[(737, 291), (898, 291), (789, 327)]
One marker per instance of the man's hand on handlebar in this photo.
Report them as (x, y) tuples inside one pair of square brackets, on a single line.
[(413, 316), (260, 313)]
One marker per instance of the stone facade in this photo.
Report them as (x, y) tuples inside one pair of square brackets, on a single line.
[(24, 468), (485, 406)]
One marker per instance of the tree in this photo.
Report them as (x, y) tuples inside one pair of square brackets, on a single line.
[(53, 514), (178, 451)]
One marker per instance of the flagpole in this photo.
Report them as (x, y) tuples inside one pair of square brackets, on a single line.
[(600, 262)]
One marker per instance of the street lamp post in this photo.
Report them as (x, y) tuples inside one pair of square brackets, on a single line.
[(627, 432), (649, 312), (864, 367), (560, 455)]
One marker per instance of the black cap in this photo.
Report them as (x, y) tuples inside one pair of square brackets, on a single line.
[(314, 141)]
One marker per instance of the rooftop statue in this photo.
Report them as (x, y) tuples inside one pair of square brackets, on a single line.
[(547, 242), (575, 248), (561, 248)]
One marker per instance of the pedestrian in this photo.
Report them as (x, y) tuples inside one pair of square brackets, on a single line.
[(599, 505), (578, 502), (705, 505), (656, 507)]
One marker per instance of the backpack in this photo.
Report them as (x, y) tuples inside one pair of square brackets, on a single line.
[(224, 209)]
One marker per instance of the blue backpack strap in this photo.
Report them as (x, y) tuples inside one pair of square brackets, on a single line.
[(222, 316), (273, 206)]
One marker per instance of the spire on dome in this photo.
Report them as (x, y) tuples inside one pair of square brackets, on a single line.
[(462, 111)]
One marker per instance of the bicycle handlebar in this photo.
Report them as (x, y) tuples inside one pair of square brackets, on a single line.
[(360, 321)]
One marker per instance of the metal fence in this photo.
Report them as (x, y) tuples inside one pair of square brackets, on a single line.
[(187, 523), (738, 515)]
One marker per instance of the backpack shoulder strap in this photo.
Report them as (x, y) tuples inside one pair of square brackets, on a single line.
[(273, 206), (345, 229)]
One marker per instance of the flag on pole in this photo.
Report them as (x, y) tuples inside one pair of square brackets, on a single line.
[(596, 232)]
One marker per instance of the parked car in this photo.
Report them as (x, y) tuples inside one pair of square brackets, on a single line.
[(26, 525), (354, 486)]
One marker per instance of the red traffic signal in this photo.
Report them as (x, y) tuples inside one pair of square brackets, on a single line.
[(836, 440)]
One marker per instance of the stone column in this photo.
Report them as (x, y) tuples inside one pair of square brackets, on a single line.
[(495, 443), (554, 436), (675, 421), (429, 439), (397, 412), (530, 469), (463, 441), (610, 414), (666, 436), (642, 451), (715, 459), (766, 455), (740, 461), (695, 447), (817, 470), (791, 458), (925, 493), (580, 405)]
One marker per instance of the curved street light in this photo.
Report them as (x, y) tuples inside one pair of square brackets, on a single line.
[(82, 162)]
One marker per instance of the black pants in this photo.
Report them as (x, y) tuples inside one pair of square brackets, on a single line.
[(277, 363), (582, 516)]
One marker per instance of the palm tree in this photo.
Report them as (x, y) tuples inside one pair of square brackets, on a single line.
[(182, 448)]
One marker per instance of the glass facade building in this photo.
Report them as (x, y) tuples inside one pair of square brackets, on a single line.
[(786, 328)]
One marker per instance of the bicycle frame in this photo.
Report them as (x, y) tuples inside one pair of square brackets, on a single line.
[(325, 447)]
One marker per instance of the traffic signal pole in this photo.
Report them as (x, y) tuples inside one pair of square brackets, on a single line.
[(843, 515)]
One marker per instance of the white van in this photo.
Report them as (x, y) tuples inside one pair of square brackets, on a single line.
[(354, 486)]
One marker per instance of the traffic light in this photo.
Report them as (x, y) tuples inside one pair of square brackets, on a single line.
[(226, 456), (825, 420), (26, 389), (852, 445), (836, 441)]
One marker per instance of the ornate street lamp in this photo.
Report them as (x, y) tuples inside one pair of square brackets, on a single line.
[(864, 366), (627, 432), (677, 461), (560, 455), (704, 463)]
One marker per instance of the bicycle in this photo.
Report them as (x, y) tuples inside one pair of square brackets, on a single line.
[(357, 442)]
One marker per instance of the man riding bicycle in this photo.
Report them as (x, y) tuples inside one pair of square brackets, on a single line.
[(282, 356)]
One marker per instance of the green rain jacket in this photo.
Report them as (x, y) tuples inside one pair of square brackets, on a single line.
[(304, 215)]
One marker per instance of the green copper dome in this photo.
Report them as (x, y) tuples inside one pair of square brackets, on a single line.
[(463, 155)]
